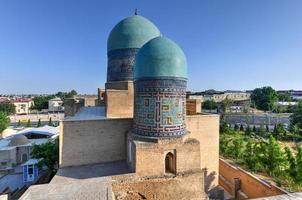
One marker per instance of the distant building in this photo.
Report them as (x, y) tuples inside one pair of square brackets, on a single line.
[(296, 94), (219, 96), (55, 105), (14, 151), (16, 148), (283, 103), (4, 99), (23, 105)]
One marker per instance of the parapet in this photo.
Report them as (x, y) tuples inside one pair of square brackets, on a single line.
[(72, 106)]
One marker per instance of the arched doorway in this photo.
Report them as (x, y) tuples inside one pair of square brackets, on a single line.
[(170, 163)]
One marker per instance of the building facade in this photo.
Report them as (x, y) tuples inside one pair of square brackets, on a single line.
[(23, 105), (55, 105)]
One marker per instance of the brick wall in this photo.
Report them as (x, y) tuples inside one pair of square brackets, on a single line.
[(250, 185), (205, 128), (150, 156), (93, 141), (119, 99)]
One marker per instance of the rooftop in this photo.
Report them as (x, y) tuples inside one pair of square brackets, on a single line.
[(31, 162), (88, 113), (22, 100)]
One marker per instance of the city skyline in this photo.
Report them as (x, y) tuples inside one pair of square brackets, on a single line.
[(58, 46)]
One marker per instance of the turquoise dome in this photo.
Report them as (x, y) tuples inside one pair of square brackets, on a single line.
[(160, 57), (132, 32)]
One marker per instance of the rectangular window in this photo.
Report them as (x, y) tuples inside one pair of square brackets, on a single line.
[(30, 169)]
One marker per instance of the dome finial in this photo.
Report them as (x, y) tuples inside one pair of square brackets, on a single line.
[(135, 11)]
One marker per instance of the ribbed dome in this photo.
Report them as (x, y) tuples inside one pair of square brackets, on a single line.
[(18, 140), (160, 57), (132, 32)]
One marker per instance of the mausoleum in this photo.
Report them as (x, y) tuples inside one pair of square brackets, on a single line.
[(141, 143)]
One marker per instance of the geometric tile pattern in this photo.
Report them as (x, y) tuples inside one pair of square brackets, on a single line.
[(160, 107), (120, 64)]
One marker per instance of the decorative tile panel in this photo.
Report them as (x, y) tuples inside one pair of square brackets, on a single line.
[(120, 64), (159, 107)]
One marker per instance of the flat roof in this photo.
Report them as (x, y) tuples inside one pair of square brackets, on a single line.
[(88, 113), (31, 162)]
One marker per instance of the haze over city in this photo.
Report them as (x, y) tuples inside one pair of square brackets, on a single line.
[(50, 46)]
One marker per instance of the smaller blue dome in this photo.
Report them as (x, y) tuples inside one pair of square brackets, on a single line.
[(160, 57), (132, 32)]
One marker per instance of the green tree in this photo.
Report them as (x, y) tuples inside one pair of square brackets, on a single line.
[(254, 129), (250, 157), (50, 122), (19, 123), (72, 93), (28, 123), (209, 105), (48, 153), (248, 130), (236, 127), (292, 165), (4, 121), (264, 98), (280, 129), (299, 165), (285, 96), (224, 127), (7, 108), (274, 157), (261, 130), (64, 95), (237, 148), (225, 104), (267, 128), (296, 117), (39, 123), (241, 127), (41, 102)]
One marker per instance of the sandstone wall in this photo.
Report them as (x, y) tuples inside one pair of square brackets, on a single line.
[(93, 141), (205, 128), (250, 186), (119, 99), (189, 186), (150, 156)]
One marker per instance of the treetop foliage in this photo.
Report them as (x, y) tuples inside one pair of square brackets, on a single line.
[(264, 98), (209, 105), (8, 108), (4, 121), (48, 152), (41, 102), (296, 117), (263, 155)]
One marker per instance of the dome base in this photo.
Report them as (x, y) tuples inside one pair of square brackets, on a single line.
[(160, 107)]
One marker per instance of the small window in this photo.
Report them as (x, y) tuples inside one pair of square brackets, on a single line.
[(30, 169)]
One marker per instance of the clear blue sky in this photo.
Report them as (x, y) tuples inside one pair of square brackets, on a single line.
[(57, 45)]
